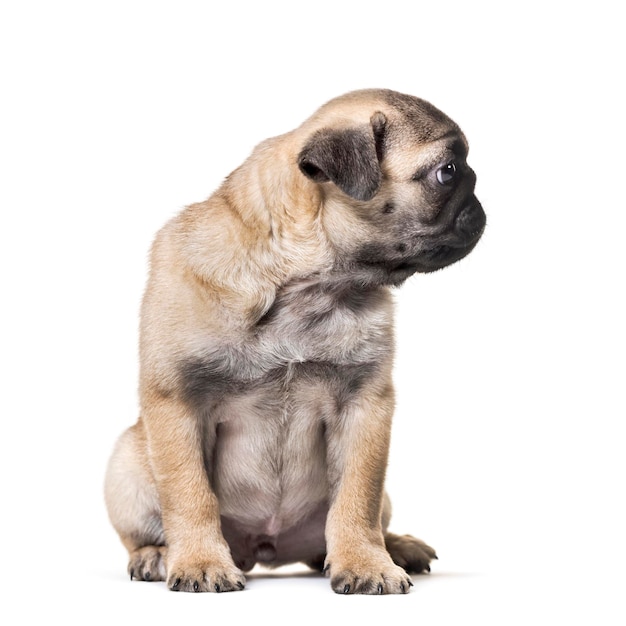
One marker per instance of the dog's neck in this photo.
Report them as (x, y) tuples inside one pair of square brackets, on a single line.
[(280, 211)]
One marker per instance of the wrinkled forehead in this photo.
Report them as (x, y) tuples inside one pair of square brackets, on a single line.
[(405, 157)]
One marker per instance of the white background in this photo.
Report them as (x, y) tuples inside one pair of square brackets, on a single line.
[(508, 446)]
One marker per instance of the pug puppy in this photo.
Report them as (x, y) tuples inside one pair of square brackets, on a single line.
[(266, 351)]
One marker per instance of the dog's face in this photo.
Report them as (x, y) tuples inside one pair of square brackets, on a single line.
[(398, 192)]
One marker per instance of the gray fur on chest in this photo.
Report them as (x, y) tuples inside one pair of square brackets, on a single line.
[(333, 335)]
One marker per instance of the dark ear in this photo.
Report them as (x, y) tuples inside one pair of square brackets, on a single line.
[(347, 157)]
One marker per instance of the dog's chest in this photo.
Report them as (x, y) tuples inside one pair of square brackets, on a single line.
[(310, 333), (302, 364), (334, 323)]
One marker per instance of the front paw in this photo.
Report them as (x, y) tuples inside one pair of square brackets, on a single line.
[(212, 576), (373, 574)]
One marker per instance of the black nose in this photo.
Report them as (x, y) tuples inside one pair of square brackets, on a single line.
[(470, 221)]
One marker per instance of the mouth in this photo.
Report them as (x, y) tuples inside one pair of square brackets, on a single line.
[(437, 258), (463, 236), (429, 260), (432, 254)]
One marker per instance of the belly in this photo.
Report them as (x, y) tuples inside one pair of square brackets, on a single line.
[(269, 458)]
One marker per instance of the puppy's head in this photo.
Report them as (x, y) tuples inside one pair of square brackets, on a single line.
[(397, 192)]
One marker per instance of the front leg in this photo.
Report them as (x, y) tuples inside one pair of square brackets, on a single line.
[(358, 445), (198, 557)]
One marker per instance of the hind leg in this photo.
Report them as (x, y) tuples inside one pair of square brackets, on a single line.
[(133, 506), (412, 554)]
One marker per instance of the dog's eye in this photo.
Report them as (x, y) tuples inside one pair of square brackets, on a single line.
[(446, 174)]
